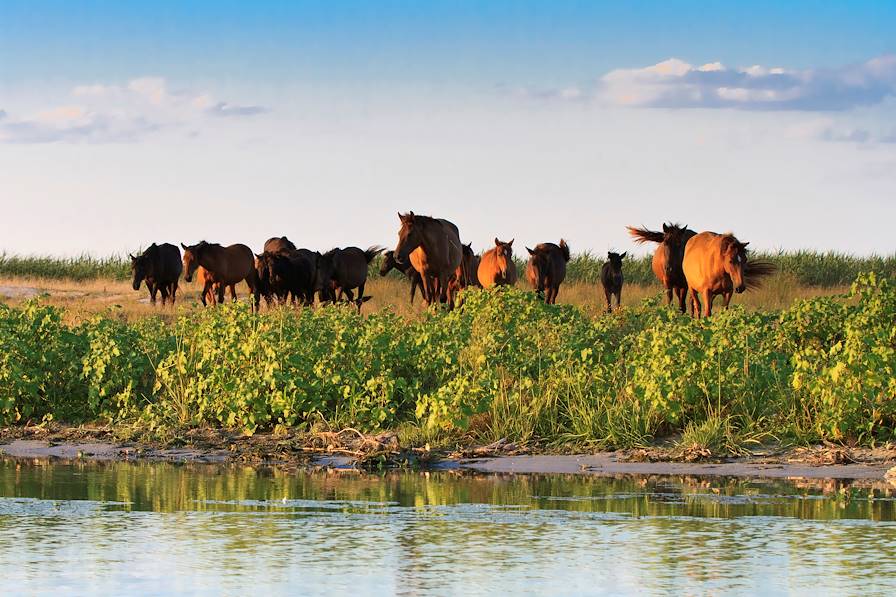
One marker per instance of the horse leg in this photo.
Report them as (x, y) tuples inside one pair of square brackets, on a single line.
[(619, 298), (682, 298), (726, 297), (696, 307), (173, 292), (152, 293), (708, 298), (164, 290), (254, 290), (414, 283), (233, 293), (669, 297)]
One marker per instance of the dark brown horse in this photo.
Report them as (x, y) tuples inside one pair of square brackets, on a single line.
[(546, 269), (160, 267), (284, 275), (278, 244), (465, 275), (226, 266), (342, 271), (611, 279), (717, 264), (668, 257), (434, 249), (497, 268), (390, 262)]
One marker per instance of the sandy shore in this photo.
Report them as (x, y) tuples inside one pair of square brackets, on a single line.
[(604, 463), (608, 463)]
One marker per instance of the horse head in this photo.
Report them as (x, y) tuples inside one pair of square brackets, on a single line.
[(734, 260)]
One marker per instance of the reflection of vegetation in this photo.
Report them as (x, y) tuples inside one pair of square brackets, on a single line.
[(434, 532), (166, 487)]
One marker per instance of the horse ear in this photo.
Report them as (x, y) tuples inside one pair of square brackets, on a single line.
[(665, 227), (609, 254), (623, 255), (744, 245), (184, 247), (131, 256), (511, 242), (531, 252), (259, 255), (497, 242)]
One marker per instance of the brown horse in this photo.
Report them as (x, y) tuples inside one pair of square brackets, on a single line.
[(668, 257), (341, 271), (278, 244), (434, 249), (226, 266), (717, 264), (546, 269), (497, 268), (209, 288)]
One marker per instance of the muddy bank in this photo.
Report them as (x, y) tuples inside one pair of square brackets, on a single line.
[(803, 463), (609, 463)]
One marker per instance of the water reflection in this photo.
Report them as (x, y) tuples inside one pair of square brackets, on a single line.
[(139, 527)]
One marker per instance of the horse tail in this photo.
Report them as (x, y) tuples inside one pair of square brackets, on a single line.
[(565, 248), (643, 235), (372, 252), (755, 271)]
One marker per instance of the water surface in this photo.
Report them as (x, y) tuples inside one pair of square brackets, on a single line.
[(114, 528)]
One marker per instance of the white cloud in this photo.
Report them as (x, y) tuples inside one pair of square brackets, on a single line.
[(674, 83), (100, 113)]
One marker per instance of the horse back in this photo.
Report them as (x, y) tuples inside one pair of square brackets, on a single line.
[(168, 265), (702, 263)]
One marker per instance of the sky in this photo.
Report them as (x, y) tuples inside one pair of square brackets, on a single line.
[(123, 124)]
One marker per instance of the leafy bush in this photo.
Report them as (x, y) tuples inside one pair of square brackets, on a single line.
[(503, 364)]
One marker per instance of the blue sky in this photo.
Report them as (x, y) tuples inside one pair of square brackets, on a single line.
[(122, 124)]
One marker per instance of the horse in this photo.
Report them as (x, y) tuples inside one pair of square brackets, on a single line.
[(668, 257), (285, 275), (434, 249), (611, 279), (465, 274), (717, 264), (160, 267), (278, 244), (497, 268), (546, 269), (209, 288), (390, 262), (341, 271), (226, 266)]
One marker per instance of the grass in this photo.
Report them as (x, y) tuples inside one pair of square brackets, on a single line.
[(83, 298), (806, 268)]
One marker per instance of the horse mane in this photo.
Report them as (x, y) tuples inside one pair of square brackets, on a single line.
[(643, 235), (565, 248), (372, 252), (756, 270)]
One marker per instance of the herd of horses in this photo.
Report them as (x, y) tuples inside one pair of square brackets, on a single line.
[(430, 253)]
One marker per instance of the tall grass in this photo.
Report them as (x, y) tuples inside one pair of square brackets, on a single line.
[(83, 267), (808, 268)]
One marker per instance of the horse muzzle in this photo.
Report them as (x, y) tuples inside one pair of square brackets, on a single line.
[(740, 289)]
